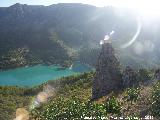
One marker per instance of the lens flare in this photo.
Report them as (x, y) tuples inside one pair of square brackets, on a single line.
[(146, 47), (107, 38), (111, 33), (22, 114), (139, 26), (42, 97)]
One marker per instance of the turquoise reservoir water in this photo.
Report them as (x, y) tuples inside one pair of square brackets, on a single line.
[(36, 75)]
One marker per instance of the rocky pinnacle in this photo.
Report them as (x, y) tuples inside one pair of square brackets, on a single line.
[(108, 75)]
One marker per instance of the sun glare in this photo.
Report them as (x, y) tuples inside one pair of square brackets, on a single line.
[(145, 8), (148, 8)]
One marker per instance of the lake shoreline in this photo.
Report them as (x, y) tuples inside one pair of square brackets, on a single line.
[(39, 74), (29, 66)]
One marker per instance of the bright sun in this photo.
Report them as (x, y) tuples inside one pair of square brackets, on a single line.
[(146, 8)]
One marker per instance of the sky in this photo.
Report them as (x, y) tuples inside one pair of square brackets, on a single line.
[(98, 3), (6, 3)]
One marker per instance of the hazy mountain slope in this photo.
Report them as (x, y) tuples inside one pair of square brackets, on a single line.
[(58, 33)]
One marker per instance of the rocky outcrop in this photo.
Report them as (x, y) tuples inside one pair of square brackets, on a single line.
[(108, 76), (129, 77), (157, 74)]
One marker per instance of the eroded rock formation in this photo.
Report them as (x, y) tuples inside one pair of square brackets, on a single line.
[(157, 74), (129, 77), (108, 75)]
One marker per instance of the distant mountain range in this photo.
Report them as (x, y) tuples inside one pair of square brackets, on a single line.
[(62, 33)]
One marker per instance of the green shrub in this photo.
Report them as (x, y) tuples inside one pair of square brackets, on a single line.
[(70, 110), (144, 75), (113, 106), (155, 98), (95, 110), (132, 94)]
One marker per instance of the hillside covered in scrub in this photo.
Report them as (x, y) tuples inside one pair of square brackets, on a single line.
[(73, 100)]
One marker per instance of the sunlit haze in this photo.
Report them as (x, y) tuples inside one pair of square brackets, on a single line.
[(144, 7)]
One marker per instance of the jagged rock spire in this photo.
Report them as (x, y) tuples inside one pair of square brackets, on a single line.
[(108, 75)]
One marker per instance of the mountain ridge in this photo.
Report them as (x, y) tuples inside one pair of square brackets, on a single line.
[(78, 26)]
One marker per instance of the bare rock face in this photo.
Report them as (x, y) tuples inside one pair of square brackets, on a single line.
[(129, 78), (157, 75), (108, 76)]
